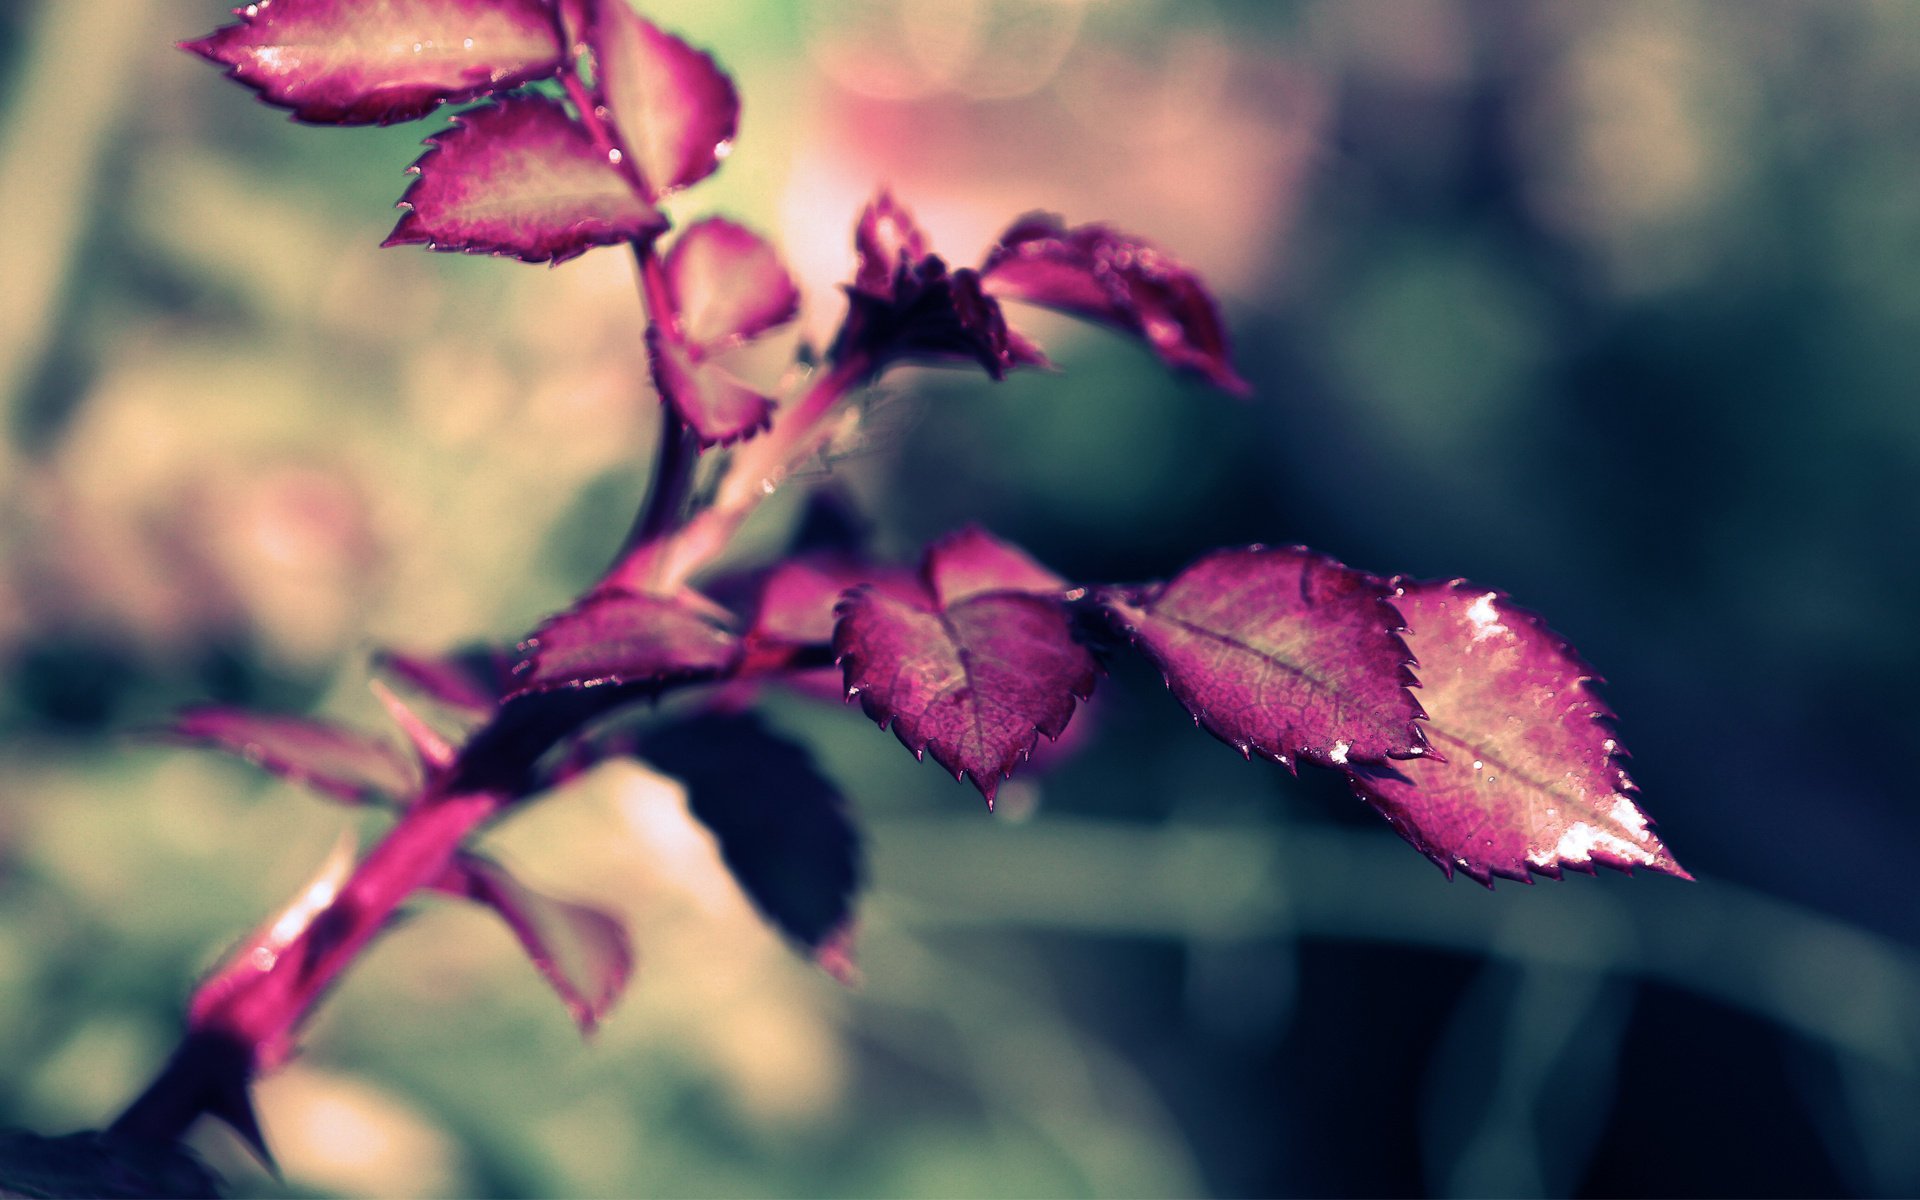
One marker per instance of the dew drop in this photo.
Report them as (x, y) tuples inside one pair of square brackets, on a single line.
[(418, 47), (614, 156), (1477, 764), (722, 149), (466, 44)]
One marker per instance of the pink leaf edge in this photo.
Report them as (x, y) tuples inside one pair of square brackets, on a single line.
[(341, 762), (972, 674), (1116, 279), (1282, 652), (1528, 777), (617, 637), (583, 952), (675, 110), (728, 284), (334, 62), (519, 178), (717, 406)]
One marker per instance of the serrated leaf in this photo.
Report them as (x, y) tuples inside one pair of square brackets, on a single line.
[(1104, 275), (675, 110), (341, 762), (625, 638), (718, 407), (905, 305), (582, 951), (973, 678), (519, 178), (363, 62), (1281, 652), (728, 285), (782, 826), (1531, 780)]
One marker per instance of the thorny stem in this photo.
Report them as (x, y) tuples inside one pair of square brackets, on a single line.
[(757, 469), (677, 456), (243, 1018), (252, 1006), (677, 453)]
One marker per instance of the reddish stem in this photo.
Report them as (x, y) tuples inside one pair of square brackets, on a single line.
[(244, 1017), (273, 980), (757, 469), (678, 452)]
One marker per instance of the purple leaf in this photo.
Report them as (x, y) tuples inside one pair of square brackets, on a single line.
[(1531, 779), (782, 827), (519, 178), (676, 112), (715, 405), (964, 564), (904, 305), (797, 598), (728, 285), (1098, 273), (973, 678), (625, 638), (582, 951), (471, 681), (337, 62), (343, 763), (1282, 652)]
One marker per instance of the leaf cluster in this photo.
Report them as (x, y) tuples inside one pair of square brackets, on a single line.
[(1458, 715)]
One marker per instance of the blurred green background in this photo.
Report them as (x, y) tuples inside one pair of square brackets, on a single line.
[(1614, 306)]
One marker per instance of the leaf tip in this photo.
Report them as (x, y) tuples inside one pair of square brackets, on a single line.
[(207, 47)]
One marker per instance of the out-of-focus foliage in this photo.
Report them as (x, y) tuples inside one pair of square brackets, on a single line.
[(1611, 305)]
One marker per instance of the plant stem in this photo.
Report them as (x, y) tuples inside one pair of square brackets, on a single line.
[(757, 469), (244, 1017), (677, 456), (249, 1010)]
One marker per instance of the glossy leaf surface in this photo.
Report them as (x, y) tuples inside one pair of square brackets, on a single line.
[(782, 826), (519, 178), (675, 110), (728, 284), (582, 951), (623, 638), (972, 677), (1532, 779), (1099, 273), (1281, 652), (718, 407), (360, 62), (341, 762)]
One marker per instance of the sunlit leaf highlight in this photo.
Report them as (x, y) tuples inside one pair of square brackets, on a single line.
[(360, 62)]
